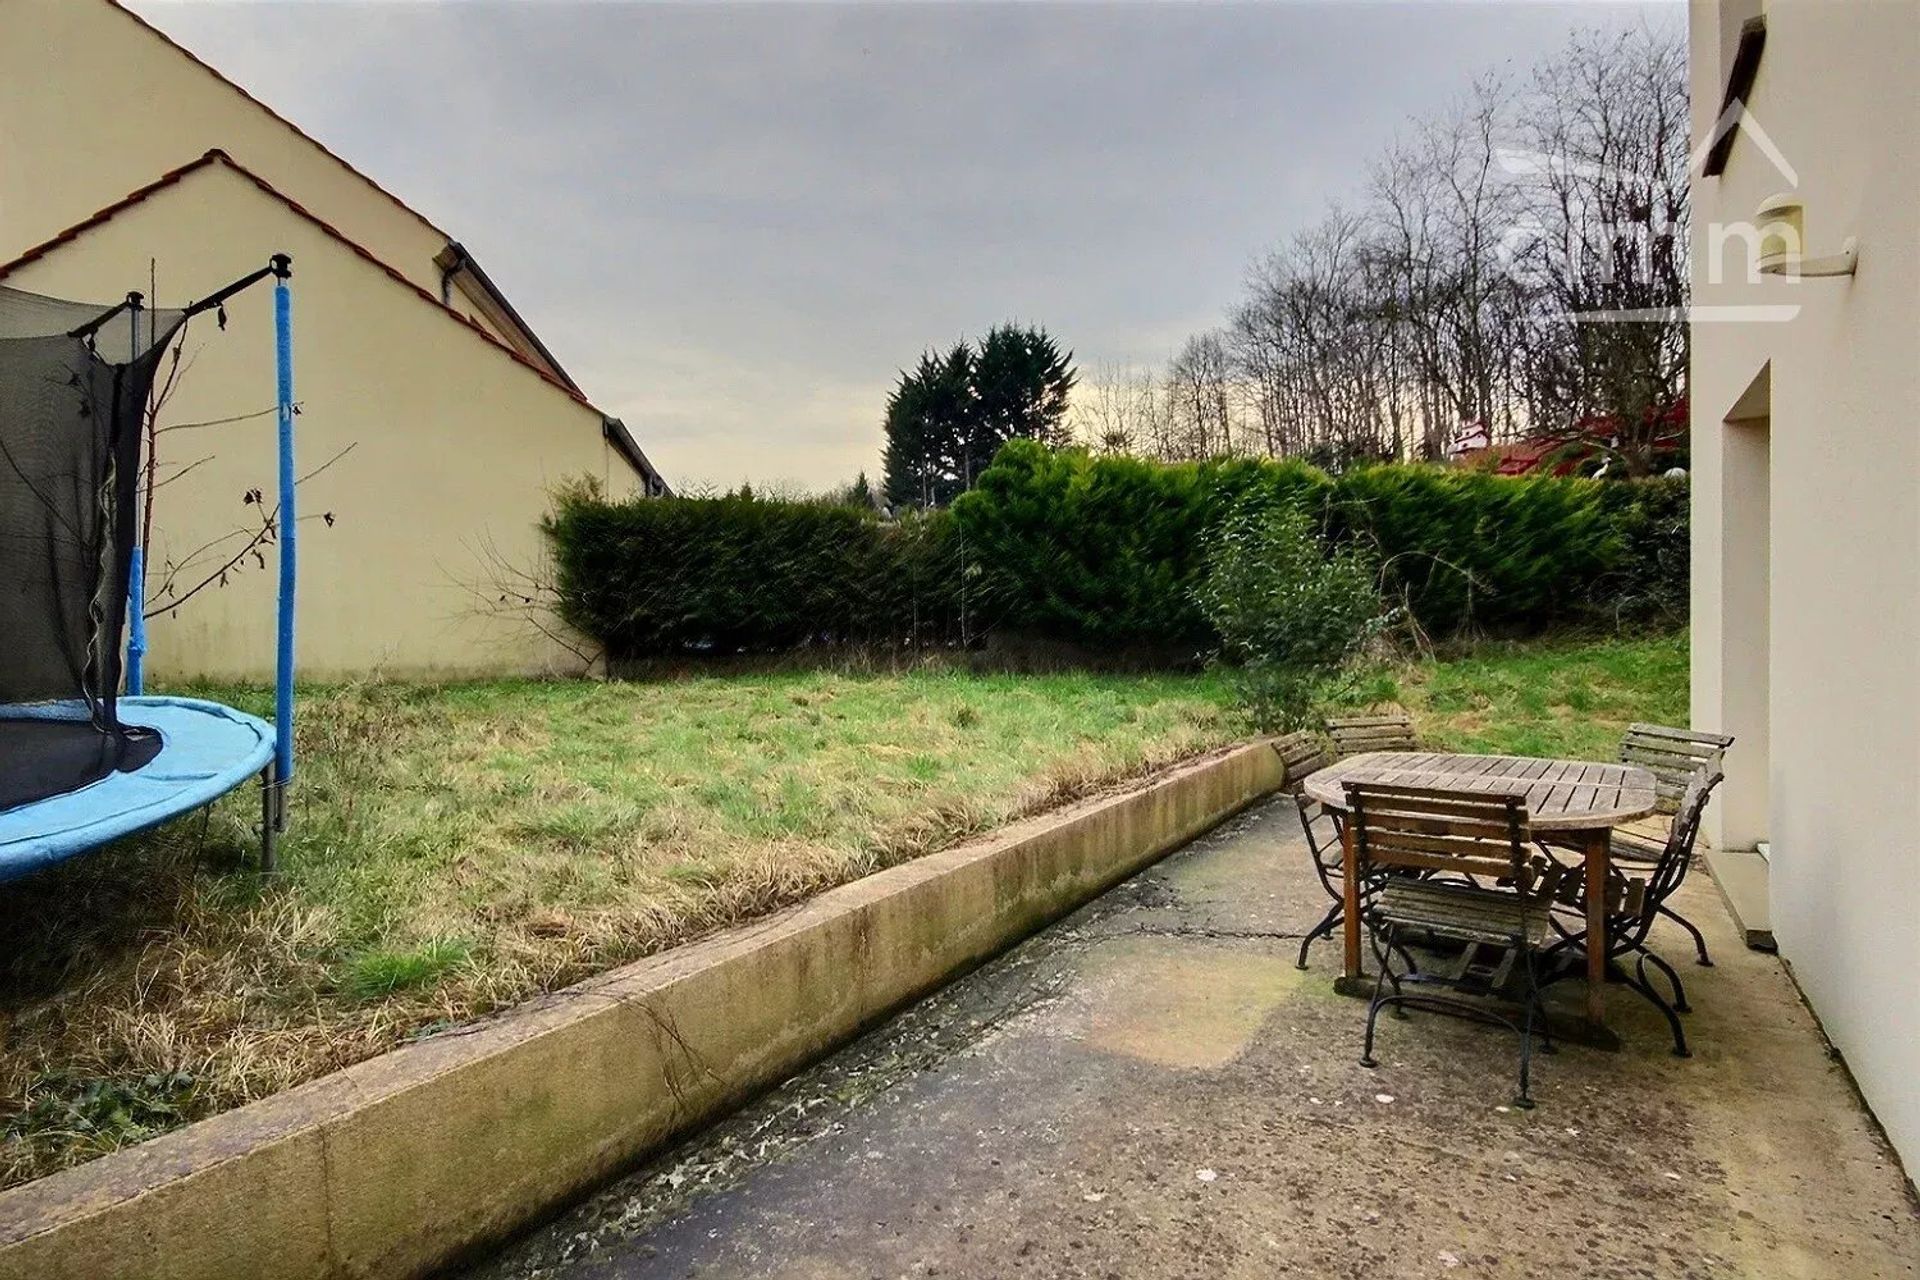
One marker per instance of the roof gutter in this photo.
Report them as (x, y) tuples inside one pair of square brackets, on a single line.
[(456, 263), (616, 434), (1746, 66)]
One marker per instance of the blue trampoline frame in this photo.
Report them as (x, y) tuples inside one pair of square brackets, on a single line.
[(207, 749)]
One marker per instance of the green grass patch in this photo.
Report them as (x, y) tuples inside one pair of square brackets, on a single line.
[(459, 848), (373, 974), (1570, 698)]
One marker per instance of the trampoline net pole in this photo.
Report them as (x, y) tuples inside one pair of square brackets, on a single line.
[(137, 560), (289, 527)]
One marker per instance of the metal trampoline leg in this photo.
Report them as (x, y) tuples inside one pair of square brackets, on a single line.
[(273, 820)]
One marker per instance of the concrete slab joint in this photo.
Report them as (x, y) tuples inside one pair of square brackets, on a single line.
[(396, 1165)]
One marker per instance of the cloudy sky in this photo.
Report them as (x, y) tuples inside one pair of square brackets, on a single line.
[(735, 223)]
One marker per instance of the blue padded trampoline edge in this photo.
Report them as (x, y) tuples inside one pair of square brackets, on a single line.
[(191, 770)]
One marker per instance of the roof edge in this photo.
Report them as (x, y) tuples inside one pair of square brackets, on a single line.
[(306, 137), (107, 212), (1733, 104), (634, 458), (622, 440), (457, 264)]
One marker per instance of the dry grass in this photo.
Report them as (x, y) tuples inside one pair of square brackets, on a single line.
[(458, 849)]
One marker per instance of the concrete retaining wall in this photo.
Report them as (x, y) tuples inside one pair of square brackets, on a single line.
[(401, 1163)]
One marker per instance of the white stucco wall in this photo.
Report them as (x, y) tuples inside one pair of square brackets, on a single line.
[(1806, 595)]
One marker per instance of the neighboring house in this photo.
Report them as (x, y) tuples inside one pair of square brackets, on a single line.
[(1522, 457), (1576, 452), (1806, 505), (440, 418)]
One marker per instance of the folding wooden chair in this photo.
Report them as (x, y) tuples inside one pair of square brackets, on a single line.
[(1401, 834), (1391, 731)]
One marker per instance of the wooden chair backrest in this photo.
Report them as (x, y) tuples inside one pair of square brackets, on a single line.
[(1475, 833), (1302, 754), (1391, 731), (1673, 756), (1682, 835)]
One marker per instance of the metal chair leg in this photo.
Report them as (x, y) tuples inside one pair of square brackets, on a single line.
[(1525, 1100), (1374, 1005), (1328, 923), (1699, 942), (1653, 997), (1680, 1004)]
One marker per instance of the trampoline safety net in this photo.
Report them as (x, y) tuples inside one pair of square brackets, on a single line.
[(73, 389)]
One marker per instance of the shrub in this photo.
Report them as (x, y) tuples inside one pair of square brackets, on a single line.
[(1464, 548), (1100, 550), (1107, 551), (1289, 613), (654, 577), (1105, 554), (1649, 581)]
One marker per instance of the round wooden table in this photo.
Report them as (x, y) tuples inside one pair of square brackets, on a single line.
[(1579, 800)]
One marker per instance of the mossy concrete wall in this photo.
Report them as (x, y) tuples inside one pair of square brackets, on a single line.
[(400, 1164)]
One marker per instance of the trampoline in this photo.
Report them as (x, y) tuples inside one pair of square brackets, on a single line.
[(81, 762)]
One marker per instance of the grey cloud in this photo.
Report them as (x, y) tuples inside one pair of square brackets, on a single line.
[(735, 222)]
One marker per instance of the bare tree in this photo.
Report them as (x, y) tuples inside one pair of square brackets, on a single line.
[(1315, 348), (1200, 398), (186, 572), (1605, 244), (1470, 287), (1118, 409)]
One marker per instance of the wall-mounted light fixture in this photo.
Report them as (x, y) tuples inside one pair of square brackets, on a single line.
[(1782, 223)]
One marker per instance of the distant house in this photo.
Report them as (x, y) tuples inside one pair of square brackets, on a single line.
[(1520, 457), (433, 419), (1574, 452), (1806, 503)]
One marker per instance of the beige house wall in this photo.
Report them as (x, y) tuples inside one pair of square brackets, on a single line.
[(441, 449), (95, 104), (125, 106), (1806, 440)]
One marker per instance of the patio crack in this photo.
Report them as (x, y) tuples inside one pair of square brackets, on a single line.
[(1200, 931)]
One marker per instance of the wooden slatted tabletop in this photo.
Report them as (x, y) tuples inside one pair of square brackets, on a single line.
[(1562, 795), (1582, 798)]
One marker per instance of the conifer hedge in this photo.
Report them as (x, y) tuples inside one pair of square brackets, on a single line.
[(652, 577), (1106, 552)]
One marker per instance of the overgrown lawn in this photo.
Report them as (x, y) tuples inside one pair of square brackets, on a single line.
[(1566, 698), (459, 848)]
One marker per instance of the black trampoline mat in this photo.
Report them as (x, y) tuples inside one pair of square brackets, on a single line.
[(43, 758)]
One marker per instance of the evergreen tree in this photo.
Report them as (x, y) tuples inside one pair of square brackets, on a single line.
[(1021, 382), (950, 414), (903, 462), (928, 418), (860, 493)]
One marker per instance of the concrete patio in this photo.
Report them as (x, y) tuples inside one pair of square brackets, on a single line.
[(1150, 1088)]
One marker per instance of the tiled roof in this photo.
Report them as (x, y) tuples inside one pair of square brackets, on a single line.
[(217, 156)]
